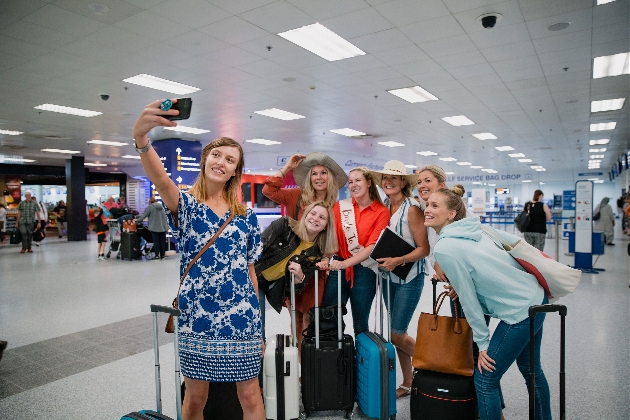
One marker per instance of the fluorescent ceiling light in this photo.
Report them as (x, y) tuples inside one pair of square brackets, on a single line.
[(413, 94), (528, 180), (390, 143), (164, 85), (411, 166), (603, 149), (504, 148), (595, 161), (279, 114), (611, 65), (599, 181), (535, 166), (14, 159), (492, 185), (476, 167), (490, 171), (485, 136), (458, 120), (524, 160), (607, 105), (598, 142), (464, 163), (348, 132), (263, 141), (131, 157), (448, 159), (107, 143), (599, 2), (516, 155), (189, 130), (596, 157), (68, 110), (477, 183), (603, 126), (67, 152), (11, 133), (427, 153), (540, 169), (449, 173), (321, 41), (94, 164)]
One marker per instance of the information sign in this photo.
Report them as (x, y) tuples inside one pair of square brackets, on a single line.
[(584, 216)]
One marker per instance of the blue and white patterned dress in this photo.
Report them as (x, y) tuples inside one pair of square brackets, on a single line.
[(220, 327)]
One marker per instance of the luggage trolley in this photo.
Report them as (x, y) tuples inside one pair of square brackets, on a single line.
[(114, 237)]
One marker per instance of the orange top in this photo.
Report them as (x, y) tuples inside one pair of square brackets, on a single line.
[(288, 197), (370, 223)]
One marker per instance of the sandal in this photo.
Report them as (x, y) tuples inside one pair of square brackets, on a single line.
[(406, 390)]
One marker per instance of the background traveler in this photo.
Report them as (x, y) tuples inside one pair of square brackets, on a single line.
[(157, 225), (28, 214), (539, 215), (606, 221), (101, 233), (3, 222), (60, 211)]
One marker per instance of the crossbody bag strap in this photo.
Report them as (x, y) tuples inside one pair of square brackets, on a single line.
[(496, 239)]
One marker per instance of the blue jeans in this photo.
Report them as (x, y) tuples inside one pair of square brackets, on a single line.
[(404, 300), (510, 343), (361, 294)]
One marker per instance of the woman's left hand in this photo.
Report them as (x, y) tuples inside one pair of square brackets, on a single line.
[(336, 265), (389, 263), (323, 264), (451, 291), (485, 362), (296, 270)]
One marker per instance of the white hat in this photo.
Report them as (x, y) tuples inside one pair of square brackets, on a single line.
[(395, 167), (317, 158)]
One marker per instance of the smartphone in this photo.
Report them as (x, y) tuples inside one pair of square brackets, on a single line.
[(183, 105)]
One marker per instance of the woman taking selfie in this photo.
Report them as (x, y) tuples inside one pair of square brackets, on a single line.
[(489, 281), (359, 221), (407, 220), (218, 300)]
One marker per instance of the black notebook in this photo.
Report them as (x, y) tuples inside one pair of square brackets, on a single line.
[(390, 245)]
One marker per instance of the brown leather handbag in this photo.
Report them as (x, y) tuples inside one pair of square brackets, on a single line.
[(170, 326), (444, 343)]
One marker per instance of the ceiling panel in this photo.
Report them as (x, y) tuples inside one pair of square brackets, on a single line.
[(352, 25), (35, 34), (190, 13), (405, 12), (277, 17), (432, 30), (233, 30), (66, 22), (448, 46), (326, 9)]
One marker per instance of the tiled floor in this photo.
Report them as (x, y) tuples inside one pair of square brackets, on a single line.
[(79, 333)]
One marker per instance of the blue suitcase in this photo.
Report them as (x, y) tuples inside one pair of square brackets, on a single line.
[(376, 370)]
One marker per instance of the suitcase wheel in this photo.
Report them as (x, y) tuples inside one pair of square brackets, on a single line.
[(109, 253)]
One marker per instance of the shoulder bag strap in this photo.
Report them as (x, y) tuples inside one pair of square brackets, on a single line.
[(496, 239)]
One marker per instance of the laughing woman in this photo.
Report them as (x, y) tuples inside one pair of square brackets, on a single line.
[(220, 327), (407, 220), (490, 282)]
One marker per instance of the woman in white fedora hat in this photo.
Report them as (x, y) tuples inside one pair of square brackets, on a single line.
[(319, 178), (407, 220)]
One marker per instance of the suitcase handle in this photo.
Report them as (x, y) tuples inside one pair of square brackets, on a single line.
[(533, 310), (166, 310)]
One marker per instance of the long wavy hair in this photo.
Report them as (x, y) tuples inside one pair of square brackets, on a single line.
[(327, 238), (367, 174), (308, 192), (198, 189)]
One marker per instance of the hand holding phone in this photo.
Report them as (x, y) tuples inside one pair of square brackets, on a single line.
[(183, 105)]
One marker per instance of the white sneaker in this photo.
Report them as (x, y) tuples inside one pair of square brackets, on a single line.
[(102, 258)]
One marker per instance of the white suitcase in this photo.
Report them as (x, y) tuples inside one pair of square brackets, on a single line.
[(281, 373)]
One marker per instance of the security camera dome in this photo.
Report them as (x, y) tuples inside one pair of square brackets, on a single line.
[(489, 20)]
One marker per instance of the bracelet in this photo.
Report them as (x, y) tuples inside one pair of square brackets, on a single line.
[(283, 174), (403, 261), (143, 149)]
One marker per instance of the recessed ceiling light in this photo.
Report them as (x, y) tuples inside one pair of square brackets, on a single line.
[(94, 164), (413, 94), (476, 167), (516, 155), (458, 120), (559, 26), (411, 166), (107, 143), (11, 133), (464, 163), (485, 136), (320, 40), (64, 151), (611, 65), (279, 114), (190, 130), (603, 149), (504, 148), (68, 110), (596, 157), (98, 8), (390, 143), (449, 173), (524, 160), (263, 141), (131, 157), (607, 105), (603, 126), (348, 132), (598, 142), (528, 180), (427, 153), (448, 159), (14, 159), (164, 85)]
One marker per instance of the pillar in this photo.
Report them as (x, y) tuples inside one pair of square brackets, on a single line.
[(75, 212)]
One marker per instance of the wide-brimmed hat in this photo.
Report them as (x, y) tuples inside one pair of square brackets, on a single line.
[(301, 173), (395, 167)]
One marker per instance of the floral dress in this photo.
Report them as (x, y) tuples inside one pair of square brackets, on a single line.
[(219, 328)]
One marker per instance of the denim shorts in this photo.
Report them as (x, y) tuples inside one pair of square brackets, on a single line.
[(404, 300)]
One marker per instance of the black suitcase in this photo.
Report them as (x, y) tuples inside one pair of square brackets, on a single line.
[(130, 246), (16, 237), (328, 370), (223, 402), (533, 310)]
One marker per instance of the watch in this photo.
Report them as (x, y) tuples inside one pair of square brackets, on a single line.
[(144, 149)]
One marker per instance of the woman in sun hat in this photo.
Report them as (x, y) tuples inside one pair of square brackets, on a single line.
[(407, 220), (319, 178)]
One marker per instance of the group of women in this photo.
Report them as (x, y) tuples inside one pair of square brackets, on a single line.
[(221, 337)]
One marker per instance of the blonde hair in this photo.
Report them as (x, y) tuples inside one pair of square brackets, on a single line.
[(454, 202), (326, 240), (459, 190), (198, 190), (152, 200), (308, 192), (369, 176), (437, 171)]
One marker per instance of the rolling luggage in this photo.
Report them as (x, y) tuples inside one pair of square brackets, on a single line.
[(39, 235), (562, 311), (157, 414), (376, 369), (328, 371), (223, 402), (442, 396), (130, 246), (16, 237), (281, 384)]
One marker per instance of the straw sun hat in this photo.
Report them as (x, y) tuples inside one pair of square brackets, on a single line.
[(301, 173), (395, 167)]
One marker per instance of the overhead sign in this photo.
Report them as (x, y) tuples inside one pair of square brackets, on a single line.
[(590, 174), (568, 200), (180, 159), (501, 190)]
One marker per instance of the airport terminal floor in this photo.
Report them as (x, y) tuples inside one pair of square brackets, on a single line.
[(80, 336)]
